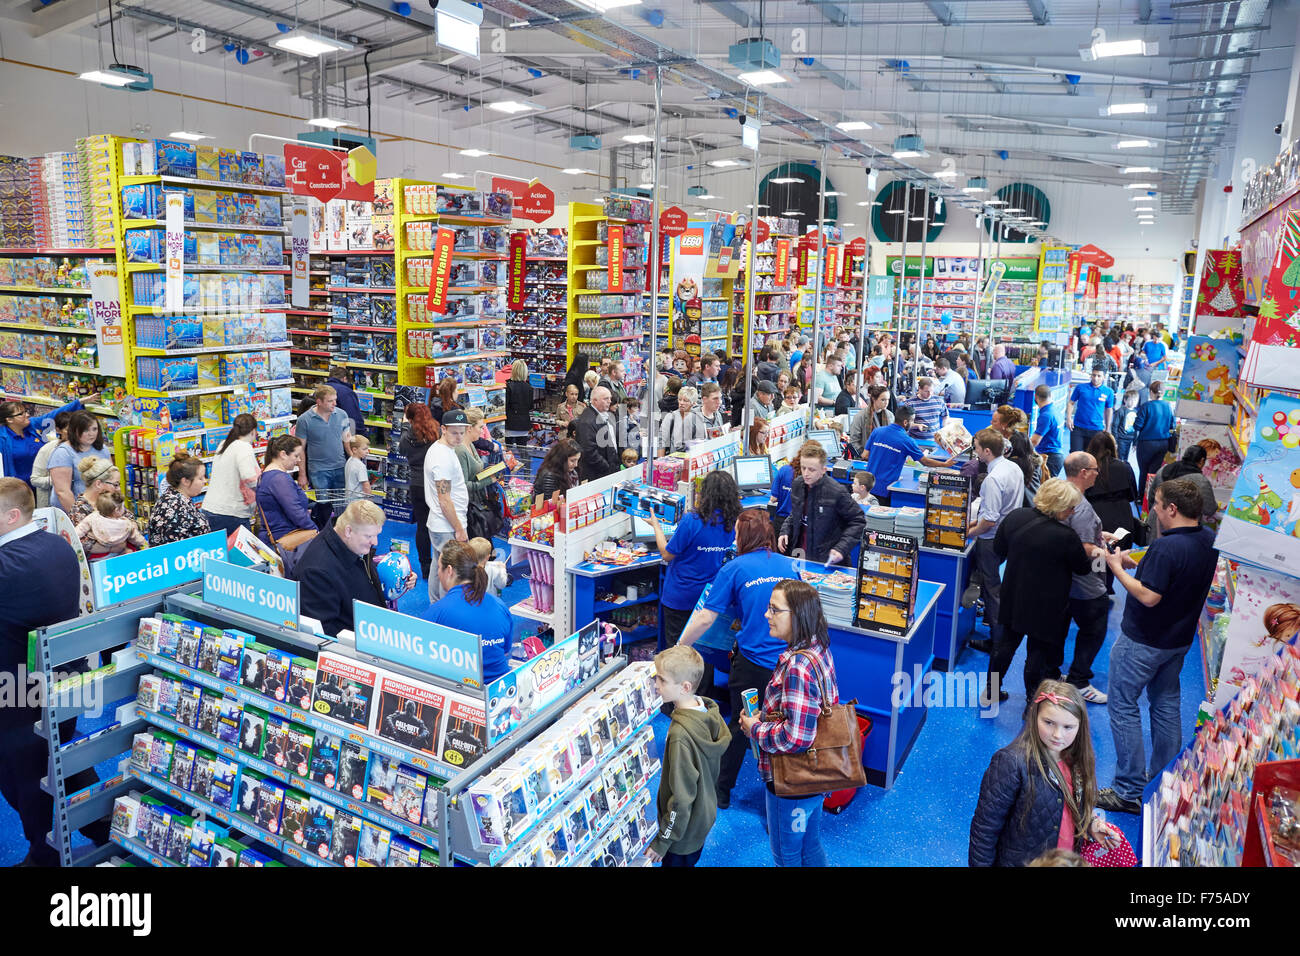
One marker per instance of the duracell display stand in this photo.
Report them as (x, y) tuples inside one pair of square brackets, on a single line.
[(887, 568), (947, 511)]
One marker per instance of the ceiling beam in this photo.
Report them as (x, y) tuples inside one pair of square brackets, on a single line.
[(942, 12), (63, 16), (731, 12), (1041, 14), (830, 12)]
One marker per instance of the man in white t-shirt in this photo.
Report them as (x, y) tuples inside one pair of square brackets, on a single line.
[(446, 491)]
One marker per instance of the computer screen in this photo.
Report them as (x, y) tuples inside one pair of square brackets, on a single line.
[(754, 472), (828, 440)]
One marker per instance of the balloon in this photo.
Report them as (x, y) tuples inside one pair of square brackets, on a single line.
[(1279, 418), (393, 570), (1290, 441), (1268, 434), (946, 318)]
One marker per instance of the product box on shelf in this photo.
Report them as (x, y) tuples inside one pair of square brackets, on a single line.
[(345, 689), (409, 712)]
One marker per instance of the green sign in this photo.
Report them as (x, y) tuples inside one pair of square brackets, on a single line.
[(914, 267), (1020, 268)]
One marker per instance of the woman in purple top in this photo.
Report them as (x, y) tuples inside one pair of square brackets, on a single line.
[(281, 503)]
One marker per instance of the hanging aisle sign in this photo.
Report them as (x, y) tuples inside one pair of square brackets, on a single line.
[(516, 269), (416, 643), (143, 572), (265, 597), (832, 262), (442, 249), (540, 204), (518, 189), (106, 306), (299, 258), (782, 278), (673, 221), (175, 281), (614, 244), (801, 276), (311, 171), (996, 274)]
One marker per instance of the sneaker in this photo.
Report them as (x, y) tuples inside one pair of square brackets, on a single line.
[(1108, 799), (724, 799), (970, 595), (1092, 695), (982, 644)]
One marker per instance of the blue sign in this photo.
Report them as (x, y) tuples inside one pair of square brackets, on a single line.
[(139, 573), (536, 380), (419, 644), (263, 596)]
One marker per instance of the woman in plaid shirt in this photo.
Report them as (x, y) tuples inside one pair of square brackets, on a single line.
[(794, 614)]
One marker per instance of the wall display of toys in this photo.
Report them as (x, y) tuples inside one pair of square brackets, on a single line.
[(1142, 303), (1050, 313), (774, 303), (537, 331), (886, 587), (947, 511), (1013, 310)]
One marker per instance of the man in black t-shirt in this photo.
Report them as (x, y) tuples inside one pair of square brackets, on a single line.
[(1160, 614)]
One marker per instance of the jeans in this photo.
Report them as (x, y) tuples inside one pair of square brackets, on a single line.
[(227, 523), (1055, 462), (681, 859), (423, 546), (1079, 438), (1122, 447), (437, 540), (325, 479), (793, 829), (1150, 456), (744, 674), (1091, 615), (989, 567), (1133, 668)]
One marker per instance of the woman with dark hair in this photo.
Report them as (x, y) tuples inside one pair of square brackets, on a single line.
[(695, 554), (802, 682), (559, 468), (930, 349), (281, 503), (175, 516), (467, 606), (745, 583), (1115, 490), (85, 439), (415, 442), (1024, 457), (875, 415), (576, 373), (447, 389), (1190, 467), (20, 435), (232, 492)]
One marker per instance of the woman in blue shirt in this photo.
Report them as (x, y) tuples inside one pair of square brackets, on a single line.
[(20, 436), (743, 589), (695, 554), (1152, 429), (467, 606)]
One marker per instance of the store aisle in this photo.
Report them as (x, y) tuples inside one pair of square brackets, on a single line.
[(923, 821)]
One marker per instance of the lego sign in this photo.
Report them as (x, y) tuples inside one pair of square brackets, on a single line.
[(313, 172), (539, 204), (673, 221), (691, 243)]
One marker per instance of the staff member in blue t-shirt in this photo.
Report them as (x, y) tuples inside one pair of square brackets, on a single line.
[(695, 554), (1155, 352), (778, 505), (467, 606), (744, 587), (1090, 410), (888, 447), (1152, 428), (1046, 438)]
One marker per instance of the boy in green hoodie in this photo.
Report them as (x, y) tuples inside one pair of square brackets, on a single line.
[(697, 738)]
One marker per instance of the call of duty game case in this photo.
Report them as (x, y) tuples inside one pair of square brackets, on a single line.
[(275, 741), (345, 689), (352, 769), (302, 679), (464, 739), (325, 760), (410, 713), (298, 752), (294, 817), (347, 837)]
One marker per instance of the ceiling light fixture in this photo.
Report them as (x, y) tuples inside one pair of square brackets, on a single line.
[(725, 163), (762, 78), (327, 122), (454, 176), (782, 180), (510, 106), (1140, 186), (994, 202), (976, 184), (574, 171), (832, 192), (1127, 109), (474, 153), (637, 138), (309, 43), (1134, 144), (456, 25), (852, 126), (1012, 209), (917, 218), (1100, 48), (865, 202), (793, 212), (848, 225), (603, 6), (188, 136), (1139, 169), (909, 147), (115, 75)]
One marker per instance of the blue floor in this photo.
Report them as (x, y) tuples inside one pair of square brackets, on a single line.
[(923, 820)]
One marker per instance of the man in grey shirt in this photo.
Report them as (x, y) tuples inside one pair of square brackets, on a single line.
[(1089, 600), (1002, 492), (324, 429)]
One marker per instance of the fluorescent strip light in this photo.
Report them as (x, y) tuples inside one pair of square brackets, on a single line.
[(109, 78), (1012, 209), (327, 122), (574, 171), (792, 212), (832, 192), (852, 126), (1101, 49), (761, 77), (896, 212), (1139, 169), (706, 196), (601, 6), (638, 138), (475, 153), (909, 153), (1140, 186), (848, 225), (762, 205), (1127, 109), (1134, 144), (785, 179), (1144, 209), (993, 202), (865, 202), (510, 106), (1139, 199), (188, 136), (946, 174), (724, 163), (454, 176), (308, 43), (918, 219)]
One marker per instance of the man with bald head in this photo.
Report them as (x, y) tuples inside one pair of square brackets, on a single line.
[(1003, 368), (1089, 597), (595, 433)]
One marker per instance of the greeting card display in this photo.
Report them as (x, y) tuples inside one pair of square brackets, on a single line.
[(1222, 463), (1265, 604), (1205, 389), (1278, 322), (1262, 524), (1219, 302)]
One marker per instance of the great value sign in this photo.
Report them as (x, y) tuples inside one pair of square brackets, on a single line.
[(417, 643), (263, 596), (832, 261), (314, 172), (516, 269), (782, 267), (442, 249), (614, 246), (143, 572)]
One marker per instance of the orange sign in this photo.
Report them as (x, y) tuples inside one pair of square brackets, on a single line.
[(782, 277), (691, 243), (442, 246)]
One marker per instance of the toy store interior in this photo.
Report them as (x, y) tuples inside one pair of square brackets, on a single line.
[(566, 433)]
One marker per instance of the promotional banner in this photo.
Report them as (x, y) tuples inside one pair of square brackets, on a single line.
[(539, 205), (1262, 523), (801, 274), (532, 687), (831, 265), (106, 308), (880, 301), (175, 280), (614, 246), (315, 172), (1278, 322), (139, 573), (442, 250), (1264, 600), (259, 595), (299, 259), (517, 269), (419, 644), (1209, 371), (782, 278)]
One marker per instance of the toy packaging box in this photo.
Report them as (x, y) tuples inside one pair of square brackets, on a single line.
[(345, 689)]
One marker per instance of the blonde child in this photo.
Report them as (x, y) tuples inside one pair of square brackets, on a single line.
[(863, 482), (355, 476), (497, 575), (107, 530)]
